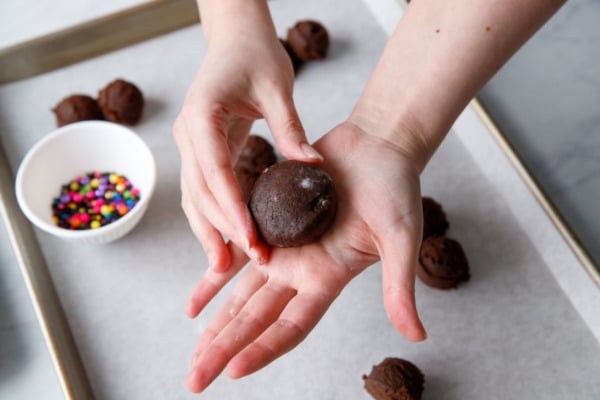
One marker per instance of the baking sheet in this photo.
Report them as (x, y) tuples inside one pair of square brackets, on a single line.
[(94, 37), (37, 283), (24, 357), (21, 21), (510, 333)]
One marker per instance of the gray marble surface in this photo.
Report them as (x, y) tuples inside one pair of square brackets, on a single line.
[(511, 333), (546, 100)]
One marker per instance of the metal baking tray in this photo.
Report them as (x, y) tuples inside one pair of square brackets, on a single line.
[(97, 37), (40, 55)]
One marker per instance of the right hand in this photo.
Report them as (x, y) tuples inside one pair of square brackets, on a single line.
[(245, 76), (273, 307)]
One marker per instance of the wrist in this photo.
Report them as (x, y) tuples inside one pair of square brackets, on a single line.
[(239, 19), (398, 127), (439, 56)]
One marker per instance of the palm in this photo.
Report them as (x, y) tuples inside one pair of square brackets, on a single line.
[(274, 306)]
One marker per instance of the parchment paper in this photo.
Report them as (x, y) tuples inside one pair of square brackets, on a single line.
[(509, 333)]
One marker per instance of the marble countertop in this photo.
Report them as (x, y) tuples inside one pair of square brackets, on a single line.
[(546, 100), (113, 336)]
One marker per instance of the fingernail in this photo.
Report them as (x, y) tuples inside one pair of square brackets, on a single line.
[(250, 252), (254, 254), (261, 260), (310, 152)]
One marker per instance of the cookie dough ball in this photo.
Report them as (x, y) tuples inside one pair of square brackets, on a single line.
[(256, 155), (434, 218), (395, 379), (77, 107), (308, 40), (293, 203), (296, 62), (442, 263), (121, 102), (246, 179)]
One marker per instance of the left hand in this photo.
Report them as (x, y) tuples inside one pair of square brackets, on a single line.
[(245, 75), (274, 306)]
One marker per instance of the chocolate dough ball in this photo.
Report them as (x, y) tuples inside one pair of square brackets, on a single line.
[(77, 107), (121, 102), (246, 179), (434, 218), (442, 263), (293, 203), (296, 62), (309, 40), (395, 379), (256, 155)]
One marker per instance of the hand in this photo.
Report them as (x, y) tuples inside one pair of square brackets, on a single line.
[(274, 306), (243, 78)]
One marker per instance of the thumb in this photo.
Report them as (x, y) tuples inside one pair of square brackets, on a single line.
[(399, 254), (282, 118)]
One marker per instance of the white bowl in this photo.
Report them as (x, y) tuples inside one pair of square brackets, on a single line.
[(76, 149)]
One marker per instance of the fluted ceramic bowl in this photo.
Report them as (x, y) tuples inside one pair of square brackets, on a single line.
[(76, 149)]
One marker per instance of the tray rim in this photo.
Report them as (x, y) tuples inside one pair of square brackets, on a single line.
[(33, 57), (95, 37), (64, 354), (567, 233)]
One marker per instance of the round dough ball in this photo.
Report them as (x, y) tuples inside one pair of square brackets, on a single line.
[(77, 107), (296, 62), (434, 218), (293, 203), (308, 40), (395, 379), (257, 154), (121, 102), (442, 263)]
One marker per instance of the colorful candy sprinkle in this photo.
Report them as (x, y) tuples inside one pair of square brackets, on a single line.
[(93, 200)]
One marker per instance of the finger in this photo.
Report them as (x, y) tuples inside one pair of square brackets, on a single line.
[(255, 317), (213, 281), (245, 320), (212, 242), (197, 197), (237, 134), (284, 122), (202, 203), (250, 282), (216, 164), (204, 229), (295, 322), (398, 252)]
